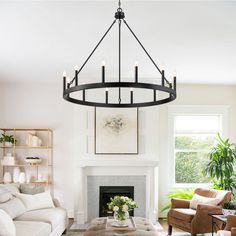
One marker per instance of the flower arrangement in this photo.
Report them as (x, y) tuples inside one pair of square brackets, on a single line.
[(121, 206), (116, 124)]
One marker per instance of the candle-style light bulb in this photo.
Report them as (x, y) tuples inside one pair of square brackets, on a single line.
[(103, 63), (174, 73), (162, 66), (107, 89), (136, 63), (76, 68), (64, 73), (131, 89)]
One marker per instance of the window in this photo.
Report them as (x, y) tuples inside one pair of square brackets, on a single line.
[(194, 135)]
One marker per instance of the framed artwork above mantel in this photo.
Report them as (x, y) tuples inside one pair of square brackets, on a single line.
[(116, 131)]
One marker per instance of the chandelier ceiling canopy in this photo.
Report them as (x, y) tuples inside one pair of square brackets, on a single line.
[(110, 90)]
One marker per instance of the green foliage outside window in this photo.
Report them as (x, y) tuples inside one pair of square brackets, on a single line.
[(191, 158)]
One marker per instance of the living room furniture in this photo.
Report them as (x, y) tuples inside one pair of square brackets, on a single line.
[(98, 228), (22, 148), (196, 221), (51, 221), (215, 222), (230, 229)]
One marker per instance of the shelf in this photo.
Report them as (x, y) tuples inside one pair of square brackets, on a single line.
[(44, 182), (27, 147), (26, 165), (20, 150), (28, 129)]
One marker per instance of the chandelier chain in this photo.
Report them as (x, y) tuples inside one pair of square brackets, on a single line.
[(119, 59)]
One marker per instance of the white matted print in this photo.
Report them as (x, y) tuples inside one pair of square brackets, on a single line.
[(116, 130)]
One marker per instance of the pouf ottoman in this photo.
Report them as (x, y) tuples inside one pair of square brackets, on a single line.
[(143, 228)]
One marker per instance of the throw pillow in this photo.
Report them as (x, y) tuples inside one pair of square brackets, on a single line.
[(32, 188), (7, 227), (197, 199), (5, 194), (13, 207), (37, 201), (13, 188)]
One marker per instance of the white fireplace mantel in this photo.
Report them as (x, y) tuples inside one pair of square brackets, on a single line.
[(114, 166), (116, 163)]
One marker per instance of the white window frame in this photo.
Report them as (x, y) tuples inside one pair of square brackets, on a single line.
[(178, 110)]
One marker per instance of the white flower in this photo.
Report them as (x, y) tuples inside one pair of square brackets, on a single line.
[(125, 208), (122, 198), (115, 208)]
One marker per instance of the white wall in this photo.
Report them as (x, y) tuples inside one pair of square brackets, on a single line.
[(32, 105)]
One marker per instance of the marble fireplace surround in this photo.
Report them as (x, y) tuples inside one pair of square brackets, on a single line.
[(109, 167)]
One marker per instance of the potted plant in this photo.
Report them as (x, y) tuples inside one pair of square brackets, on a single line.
[(178, 193), (229, 208), (8, 140), (121, 206), (220, 167)]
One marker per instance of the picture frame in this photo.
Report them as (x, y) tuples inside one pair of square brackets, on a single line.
[(116, 131)]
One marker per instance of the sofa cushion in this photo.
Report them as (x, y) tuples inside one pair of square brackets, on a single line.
[(13, 188), (53, 216), (30, 228), (13, 207), (7, 227), (32, 188), (5, 194), (185, 214), (37, 201)]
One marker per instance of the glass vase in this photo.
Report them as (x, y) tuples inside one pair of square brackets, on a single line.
[(121, 217)]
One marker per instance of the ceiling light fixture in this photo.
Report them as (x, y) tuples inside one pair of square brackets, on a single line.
[(72, 86)]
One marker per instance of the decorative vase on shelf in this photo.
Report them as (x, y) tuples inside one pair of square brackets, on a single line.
[(8, 144), (16, 174), (22, 178), (121, 217), (7, 178)]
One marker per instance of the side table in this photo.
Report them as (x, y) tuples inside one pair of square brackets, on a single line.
[(216, 219)]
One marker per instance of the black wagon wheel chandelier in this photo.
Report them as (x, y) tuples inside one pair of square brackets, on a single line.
[(71, 86)]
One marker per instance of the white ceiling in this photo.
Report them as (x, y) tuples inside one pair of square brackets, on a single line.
[(39, 39)]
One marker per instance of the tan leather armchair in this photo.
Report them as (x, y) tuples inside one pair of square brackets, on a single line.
[(230, 229), (196, 221)]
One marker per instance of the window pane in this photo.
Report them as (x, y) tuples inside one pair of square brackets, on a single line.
[(189, 166), (197, 124), (194, 142)]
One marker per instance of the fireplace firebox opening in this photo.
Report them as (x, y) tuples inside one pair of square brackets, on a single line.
[(106, 192)]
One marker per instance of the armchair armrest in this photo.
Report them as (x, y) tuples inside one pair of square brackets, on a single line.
[(231, 222), (233, 231), (202, 221), (180, 203)]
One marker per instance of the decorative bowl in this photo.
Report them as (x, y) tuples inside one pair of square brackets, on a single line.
[(33, 161)]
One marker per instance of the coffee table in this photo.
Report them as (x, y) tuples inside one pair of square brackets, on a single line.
[(102, 227)]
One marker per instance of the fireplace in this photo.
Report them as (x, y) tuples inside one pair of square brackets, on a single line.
[(106, 192)]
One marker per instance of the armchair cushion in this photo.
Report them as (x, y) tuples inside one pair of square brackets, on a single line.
[(185, 214)]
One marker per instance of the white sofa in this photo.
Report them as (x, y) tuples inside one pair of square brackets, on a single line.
[(41, 222)]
